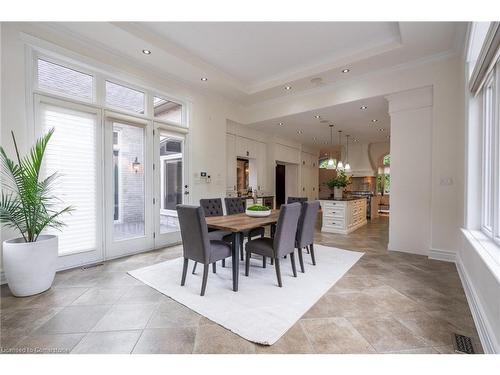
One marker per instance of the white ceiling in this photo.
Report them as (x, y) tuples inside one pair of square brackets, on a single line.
[(348, 117), (251, 62), (255, 53)]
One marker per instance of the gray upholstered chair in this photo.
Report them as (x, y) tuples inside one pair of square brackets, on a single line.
[(305, 230), (237, 206), (283, 242), (196, 243), (296, 199), (213, 207)]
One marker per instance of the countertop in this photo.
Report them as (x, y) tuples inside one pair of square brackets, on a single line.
[(344, 199)]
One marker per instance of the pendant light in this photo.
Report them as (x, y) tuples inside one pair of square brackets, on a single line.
[(347, 166), (332, 163), (340, 165)]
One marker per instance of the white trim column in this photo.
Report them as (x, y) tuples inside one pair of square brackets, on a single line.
[(411, 166)]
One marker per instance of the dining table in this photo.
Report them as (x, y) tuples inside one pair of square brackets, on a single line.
[(237, 224)]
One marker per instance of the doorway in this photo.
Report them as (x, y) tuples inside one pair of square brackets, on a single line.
[(280, 185)]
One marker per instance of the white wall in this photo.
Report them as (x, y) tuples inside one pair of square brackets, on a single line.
[(411, 149)]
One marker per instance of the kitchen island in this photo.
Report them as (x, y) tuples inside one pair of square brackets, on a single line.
[(343, 215)]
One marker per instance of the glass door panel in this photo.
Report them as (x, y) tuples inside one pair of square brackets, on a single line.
[(127, 176), (73, 153), (169, 186)]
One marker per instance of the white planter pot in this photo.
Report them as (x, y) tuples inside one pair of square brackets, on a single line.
[(30, 267), (258, 213), (338, 193)]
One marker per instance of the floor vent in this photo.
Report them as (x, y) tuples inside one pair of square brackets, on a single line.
[(462, 344), (91, 266)]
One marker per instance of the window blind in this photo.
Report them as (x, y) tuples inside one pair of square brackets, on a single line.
[(72, 153)]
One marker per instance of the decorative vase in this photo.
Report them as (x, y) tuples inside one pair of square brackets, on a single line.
[(338, 193), (30, 267)]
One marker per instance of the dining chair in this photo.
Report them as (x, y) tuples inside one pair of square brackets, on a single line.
[(213, 207), (237, 206), (282, 244), (296, 199), (197, 245), (305, 230)]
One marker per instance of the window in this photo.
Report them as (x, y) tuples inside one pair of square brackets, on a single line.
[(167, 110), (64, 81), (384, 176), (72, 153), (123, 97)]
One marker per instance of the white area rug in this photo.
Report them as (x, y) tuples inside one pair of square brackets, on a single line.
[(260, 311)]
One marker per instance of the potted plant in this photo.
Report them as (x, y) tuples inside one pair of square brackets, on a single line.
[(27, 205), (337, 184)]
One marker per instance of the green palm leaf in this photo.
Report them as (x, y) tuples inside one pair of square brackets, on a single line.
[(27, 204)]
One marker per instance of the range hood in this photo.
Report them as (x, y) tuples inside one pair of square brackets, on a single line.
[(359, 159)]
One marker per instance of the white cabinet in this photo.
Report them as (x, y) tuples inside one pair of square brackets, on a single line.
[(261, 166), (247, 148), (309, 176), (343, 216), (230, 163)]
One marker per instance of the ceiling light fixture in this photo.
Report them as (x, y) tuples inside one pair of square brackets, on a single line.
[(332, 163), (204, 79), (288, 88), (381, 129), (340, 165), (280, 123), (317, 116), (374, 120), (146, 52), (363, 107), (346, 70), (299, 131), (347, 165)]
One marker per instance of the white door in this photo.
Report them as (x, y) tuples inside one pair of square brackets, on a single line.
[(74, 152), (128, 185), (170, 184)]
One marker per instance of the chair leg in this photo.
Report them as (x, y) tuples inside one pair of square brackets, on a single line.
[(184, 271), (272, 261), (264, 260), (241, 246), (223, 263), (307, 248), (205, 277), (311, 247), (247, 263), (278, 271), (194, 267), (301, 260), (214, 267), (294, 269)]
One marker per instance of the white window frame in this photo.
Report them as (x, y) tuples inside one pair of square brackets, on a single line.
[(490, 157)]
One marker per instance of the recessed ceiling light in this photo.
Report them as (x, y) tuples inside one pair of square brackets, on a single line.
[(317, 116), (363, 107), (345, 70), (355, 140), (388, 136), (299, 131), (374, 120), (381, 129), (146, 52), (204, 79), (280, 123), (288, 87)]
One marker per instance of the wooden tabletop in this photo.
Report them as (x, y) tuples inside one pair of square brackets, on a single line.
[(241, 222)]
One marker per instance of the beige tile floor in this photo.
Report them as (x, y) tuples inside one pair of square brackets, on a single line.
[(389, 302)]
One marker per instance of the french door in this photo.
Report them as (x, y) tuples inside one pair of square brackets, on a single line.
[(170, 184), (74, 153), (128, 185), (122, 179)]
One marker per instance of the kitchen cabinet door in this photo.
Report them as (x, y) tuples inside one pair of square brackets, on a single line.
[(230, 162), (261, 155)]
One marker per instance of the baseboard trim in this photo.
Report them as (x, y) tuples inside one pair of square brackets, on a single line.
[(3, 280), (443, 255), (486, 334)]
